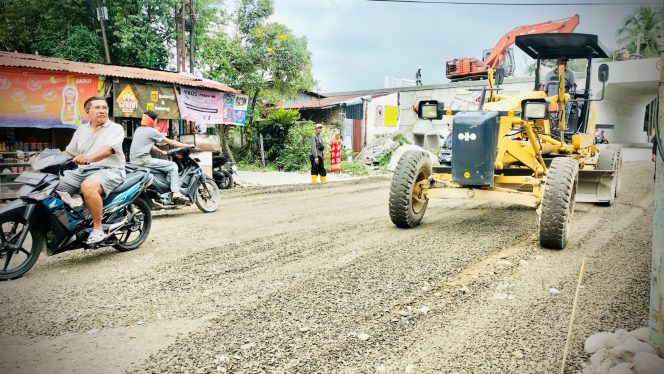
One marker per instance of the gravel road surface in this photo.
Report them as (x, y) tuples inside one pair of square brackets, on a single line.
[(302, 279)]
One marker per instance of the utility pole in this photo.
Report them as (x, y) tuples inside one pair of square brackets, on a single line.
[(102, 16), (192, 24), (656, 320), (177, 40), (184, 39)]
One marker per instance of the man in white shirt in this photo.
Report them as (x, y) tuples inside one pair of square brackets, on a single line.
[(96, 148)]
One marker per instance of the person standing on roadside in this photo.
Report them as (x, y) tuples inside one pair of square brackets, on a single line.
[(316, 156), (655, 145), (654, 149), (335, 153)]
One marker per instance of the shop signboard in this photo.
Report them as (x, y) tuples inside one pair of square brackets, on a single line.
[(131, 99), (212, 107), (43, 99)]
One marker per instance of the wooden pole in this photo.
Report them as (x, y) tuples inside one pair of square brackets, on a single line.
[(262, 150)]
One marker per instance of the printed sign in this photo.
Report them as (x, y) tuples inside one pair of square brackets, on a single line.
[(132, 99), (211, 107), (43, 99), (391, 112), (380, 118)]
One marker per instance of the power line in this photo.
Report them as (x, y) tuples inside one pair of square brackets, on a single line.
[(443, 2)]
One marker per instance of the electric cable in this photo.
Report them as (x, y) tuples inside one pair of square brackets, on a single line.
[(444, 2)]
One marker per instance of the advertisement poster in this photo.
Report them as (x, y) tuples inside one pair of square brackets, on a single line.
[(43, 99), (132, 99), (212, 107)]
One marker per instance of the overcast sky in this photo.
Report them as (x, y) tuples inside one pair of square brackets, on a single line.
[(355, 44)]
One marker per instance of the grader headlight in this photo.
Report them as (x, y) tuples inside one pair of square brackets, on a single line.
[(532, 110), (430, 109)]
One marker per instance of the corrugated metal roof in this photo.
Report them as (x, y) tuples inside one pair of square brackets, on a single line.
[(21, 60), (329, 102)]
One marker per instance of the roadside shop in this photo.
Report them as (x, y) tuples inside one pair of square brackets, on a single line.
[(43, 105)]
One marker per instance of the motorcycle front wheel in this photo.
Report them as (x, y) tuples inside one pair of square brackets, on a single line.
[(207, 196), (16, 262), (136, 230)]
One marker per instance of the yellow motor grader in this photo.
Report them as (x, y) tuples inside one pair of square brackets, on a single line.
[(530, 149)]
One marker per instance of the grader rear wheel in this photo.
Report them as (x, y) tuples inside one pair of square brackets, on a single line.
[(407, 204), (558, 203)]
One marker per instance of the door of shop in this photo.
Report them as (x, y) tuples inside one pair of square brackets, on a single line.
[(357, 135)]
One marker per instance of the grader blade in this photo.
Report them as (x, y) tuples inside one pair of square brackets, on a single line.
[(596, 186)]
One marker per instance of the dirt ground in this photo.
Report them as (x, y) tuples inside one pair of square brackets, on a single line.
[(303, 279)]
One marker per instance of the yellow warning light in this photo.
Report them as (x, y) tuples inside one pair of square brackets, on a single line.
[(510, 113), (448, 112), (466, 175)]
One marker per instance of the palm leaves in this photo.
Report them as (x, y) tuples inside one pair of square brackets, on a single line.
[(643, 27)]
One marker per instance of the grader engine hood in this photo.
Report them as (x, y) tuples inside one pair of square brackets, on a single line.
[(475, 138)]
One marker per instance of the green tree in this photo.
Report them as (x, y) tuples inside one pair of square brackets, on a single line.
[(643, 27), (61, 28), (140, 32), (265, 60)]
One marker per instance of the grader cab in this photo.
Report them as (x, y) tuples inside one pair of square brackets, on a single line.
[(530, 149)]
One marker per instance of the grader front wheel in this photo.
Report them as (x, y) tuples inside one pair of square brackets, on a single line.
[(407, 201), (558, 203)]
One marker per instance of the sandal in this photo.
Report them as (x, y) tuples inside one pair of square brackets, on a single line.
[(95, 237)]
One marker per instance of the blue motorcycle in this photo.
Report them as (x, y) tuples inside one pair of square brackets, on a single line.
[(39, 219)]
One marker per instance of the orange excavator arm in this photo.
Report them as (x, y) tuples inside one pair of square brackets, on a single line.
[(497, 56), (472, 68)]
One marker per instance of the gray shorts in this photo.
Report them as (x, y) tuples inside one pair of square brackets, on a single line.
[(109, 178)]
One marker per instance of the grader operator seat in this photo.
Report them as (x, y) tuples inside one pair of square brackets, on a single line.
[(569, 45)]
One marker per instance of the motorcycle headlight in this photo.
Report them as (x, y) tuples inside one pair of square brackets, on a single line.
[(234, 168)]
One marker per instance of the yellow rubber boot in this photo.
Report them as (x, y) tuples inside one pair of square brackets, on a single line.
[(314, 179), (323, 179)]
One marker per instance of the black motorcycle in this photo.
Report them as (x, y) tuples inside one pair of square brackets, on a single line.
[(223, 170), (39, 219), (196, 186)]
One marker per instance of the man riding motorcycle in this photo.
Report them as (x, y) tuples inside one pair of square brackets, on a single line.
[(144, 140), (96, 148)]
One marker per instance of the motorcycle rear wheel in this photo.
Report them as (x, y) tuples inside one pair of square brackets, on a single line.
[(11, 227), (207, 196), (226, 182), (137, 229)]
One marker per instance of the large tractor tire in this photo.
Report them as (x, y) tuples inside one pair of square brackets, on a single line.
[(407, 206), (611, 159), (558, 202)]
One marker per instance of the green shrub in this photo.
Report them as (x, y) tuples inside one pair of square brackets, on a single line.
[(254, 166), (399, 138), (354, 168), (295, 155)]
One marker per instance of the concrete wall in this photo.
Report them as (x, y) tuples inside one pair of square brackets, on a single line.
[(376, 115), (456, 96), (632, 85)]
